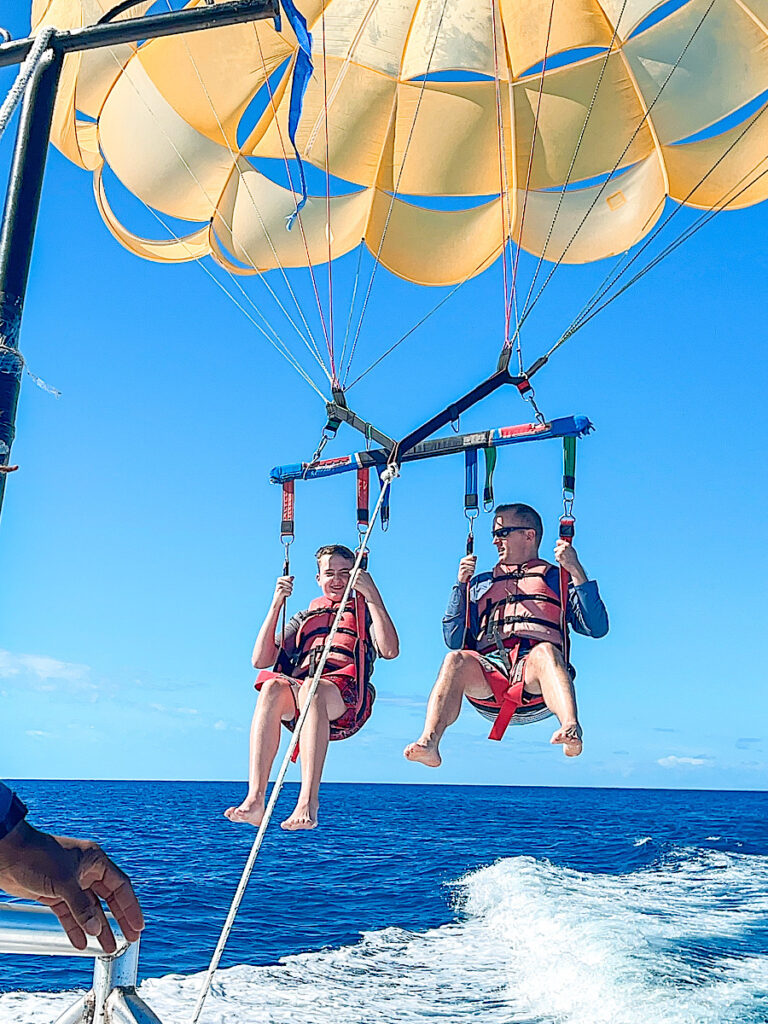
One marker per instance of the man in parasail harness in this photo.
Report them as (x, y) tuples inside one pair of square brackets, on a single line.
[(344, 698), (508, 648)]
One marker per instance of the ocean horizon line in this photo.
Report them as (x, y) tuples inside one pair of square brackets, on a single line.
[(424, 785)]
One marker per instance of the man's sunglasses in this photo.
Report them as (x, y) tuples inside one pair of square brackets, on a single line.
[(504, 531)]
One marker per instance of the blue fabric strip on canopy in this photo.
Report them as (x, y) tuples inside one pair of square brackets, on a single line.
[(302, 73)]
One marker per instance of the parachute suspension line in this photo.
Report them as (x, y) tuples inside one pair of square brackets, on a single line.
[(633, 136), (504, 191), (352, 301), (388, 475), (37, 55), (273, 337), (276, 122), (236, 163), (199, 184), (579, 141), (396, 189), (423, 320), (528, 174), (703, 219), (618, 271), (515, 309), (334, 375)]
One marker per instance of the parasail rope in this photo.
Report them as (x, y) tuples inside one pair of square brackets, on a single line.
[(579, 141), (633, 136), (276, 122), (387, 476), (394, 193), (235, 160), (37, 55)]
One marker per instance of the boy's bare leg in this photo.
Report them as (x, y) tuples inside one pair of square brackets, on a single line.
[(546, 673), (275, 703), (326, 706), (460, 673)]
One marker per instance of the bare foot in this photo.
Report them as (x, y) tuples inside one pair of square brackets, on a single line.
[(570, 736), (250, 812), (303, 819), (424, 751)]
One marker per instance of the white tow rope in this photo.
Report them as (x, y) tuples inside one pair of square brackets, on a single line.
[(386, 478)]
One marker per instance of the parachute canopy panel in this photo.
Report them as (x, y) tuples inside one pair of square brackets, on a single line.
[(447, 100)]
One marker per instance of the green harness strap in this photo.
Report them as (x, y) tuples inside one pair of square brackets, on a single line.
[(490, 455)]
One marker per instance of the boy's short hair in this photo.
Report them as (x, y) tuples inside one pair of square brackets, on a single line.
[(526, 515), (334, 549)]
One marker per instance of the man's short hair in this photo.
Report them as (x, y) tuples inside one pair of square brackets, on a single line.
[(526, 516), (334, 549)]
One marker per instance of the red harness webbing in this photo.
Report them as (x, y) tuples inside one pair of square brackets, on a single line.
[(511, 700)]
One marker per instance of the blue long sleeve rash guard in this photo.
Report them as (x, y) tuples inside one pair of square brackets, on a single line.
[(586, 612)]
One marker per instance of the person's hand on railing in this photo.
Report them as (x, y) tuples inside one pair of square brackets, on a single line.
[(71, 876)]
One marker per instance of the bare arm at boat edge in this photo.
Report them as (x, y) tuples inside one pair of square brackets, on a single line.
[(71, 876)]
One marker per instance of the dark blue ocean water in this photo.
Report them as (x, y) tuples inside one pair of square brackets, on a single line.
[(661, 888)]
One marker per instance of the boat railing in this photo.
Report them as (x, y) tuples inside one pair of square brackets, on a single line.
[(35, 931)]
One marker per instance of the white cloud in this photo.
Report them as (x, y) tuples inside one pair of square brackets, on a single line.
[(38, 733), (41, 667), (220, 726), (163, 709), (403, 702), (671, 761)]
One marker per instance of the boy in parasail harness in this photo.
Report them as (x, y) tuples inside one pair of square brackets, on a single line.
[(507, 653), (344, 698)]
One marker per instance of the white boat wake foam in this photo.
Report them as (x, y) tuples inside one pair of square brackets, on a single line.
[(532, 943)]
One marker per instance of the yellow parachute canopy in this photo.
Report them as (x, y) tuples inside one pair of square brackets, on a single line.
[(425, 98)]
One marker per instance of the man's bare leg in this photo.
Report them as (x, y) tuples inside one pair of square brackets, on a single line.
[(275, 703), (460, 673), (326, 706), (546, 673)]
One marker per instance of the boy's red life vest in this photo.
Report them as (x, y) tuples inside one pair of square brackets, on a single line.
[(349, 661), (349, 648), (518, 606)]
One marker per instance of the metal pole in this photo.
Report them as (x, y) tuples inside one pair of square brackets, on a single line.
[(22, 202), (17, 234), (149, 26)]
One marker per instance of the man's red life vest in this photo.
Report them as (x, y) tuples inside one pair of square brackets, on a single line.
[(519, 606)]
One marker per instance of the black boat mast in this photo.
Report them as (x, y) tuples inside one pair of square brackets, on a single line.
[(25, 182)]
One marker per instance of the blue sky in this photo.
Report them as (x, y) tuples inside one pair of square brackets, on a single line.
[(139, 539)]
